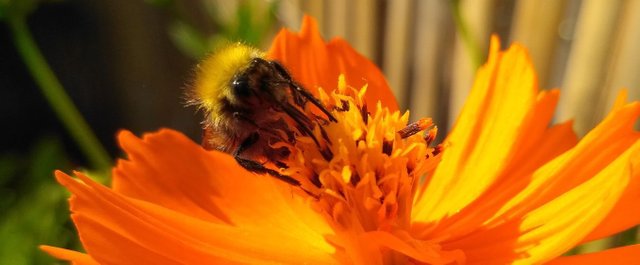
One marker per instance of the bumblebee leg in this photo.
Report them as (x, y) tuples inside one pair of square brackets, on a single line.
[(254, 166), (296, 88), (301, 95)]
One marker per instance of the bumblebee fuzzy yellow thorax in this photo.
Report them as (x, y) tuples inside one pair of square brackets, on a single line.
[(215, 74)]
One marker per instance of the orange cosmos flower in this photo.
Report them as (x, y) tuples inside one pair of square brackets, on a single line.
[(506, 188)]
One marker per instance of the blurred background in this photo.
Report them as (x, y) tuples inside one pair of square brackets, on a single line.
[(124, 65)]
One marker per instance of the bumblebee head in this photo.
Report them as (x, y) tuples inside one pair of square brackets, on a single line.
[(237, 79), (219, 76)]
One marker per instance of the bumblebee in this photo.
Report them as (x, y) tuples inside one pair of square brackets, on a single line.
[(250, 104)]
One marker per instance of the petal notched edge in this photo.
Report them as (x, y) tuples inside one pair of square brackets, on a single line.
[(600, 147), (315, 63), (573, 199), (169, 169), (501, 108), (107, 221)]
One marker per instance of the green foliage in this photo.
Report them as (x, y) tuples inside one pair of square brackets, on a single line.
[(189, 40), (32, 205), (16, 8), (160, 3), (250, 23), (52, 89), (469, 42)]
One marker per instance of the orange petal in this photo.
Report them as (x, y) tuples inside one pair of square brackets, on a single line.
[(625, 214), (116, 229), (531, 216), (423, 252), (489, 246), (168, 169), (621, 255), (552, 228), (600, 147), (76, 258), (563, 201), (493, 129), (481, 213), (315, 63), (554, 141), (573, 193), (560, 224)]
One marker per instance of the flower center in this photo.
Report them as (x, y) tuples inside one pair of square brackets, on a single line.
[(365, 165)]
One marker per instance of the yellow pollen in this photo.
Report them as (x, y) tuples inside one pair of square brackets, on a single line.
[(375, 160)]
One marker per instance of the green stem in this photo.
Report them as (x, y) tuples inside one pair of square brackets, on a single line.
[(56, 96), (469, 42), (595, 246)]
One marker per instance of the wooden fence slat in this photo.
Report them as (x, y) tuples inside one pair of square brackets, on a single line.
[(585, 70)]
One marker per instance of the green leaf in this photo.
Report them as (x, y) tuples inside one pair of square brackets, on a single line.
[(17, 8), (37, 212), (188, 39), (161, 3)]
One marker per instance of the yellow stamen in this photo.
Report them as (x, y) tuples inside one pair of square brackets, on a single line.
[(376, 159)]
